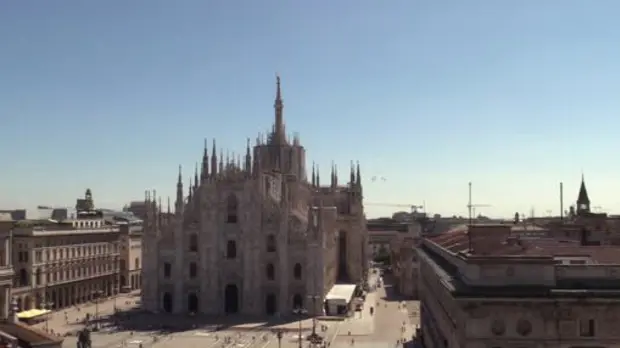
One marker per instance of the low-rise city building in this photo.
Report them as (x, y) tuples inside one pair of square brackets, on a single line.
[(482, 286), (12, 332), (6, 268), (61, 263), (131, 256), (381, 232)]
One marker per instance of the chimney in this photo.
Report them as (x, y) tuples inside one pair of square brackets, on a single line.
[(584, 234)]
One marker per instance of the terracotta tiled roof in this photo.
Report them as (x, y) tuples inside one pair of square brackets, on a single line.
[(33, 336), (495, 242)]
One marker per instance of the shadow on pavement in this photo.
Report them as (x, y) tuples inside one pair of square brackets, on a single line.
[(137, 320), (391, 295)]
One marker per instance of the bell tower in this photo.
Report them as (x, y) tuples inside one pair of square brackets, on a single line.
[(583, 201)]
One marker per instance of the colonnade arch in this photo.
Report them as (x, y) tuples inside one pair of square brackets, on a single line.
[(67, 295)]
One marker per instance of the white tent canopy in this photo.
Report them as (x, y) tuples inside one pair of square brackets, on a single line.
[(341, 293)]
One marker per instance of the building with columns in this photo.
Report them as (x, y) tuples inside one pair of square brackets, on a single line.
[(130, 267), (484, 286), (254, 235), (62, 263), (6, 268)]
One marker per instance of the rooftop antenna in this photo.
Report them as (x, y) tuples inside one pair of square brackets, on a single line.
[(561, 202), (471, 207)]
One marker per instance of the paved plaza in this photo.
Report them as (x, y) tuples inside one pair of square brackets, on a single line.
[(393, 320), (71, 319)]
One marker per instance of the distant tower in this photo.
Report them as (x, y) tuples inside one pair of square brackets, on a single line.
[(88, 197), (583, 201), (87, 203)]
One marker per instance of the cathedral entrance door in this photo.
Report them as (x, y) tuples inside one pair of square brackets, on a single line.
[(192, 303), (231, 299), (298, 301), (270, 304), (167, 302)]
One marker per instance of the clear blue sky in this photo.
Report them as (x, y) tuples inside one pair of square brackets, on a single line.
[(514, 96)]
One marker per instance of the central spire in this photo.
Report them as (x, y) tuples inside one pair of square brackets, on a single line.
[(278, 131)]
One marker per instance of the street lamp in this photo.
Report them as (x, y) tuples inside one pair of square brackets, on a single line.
[(300, 311), (97, 293), (314, 298), (279, 335), (47, 305)]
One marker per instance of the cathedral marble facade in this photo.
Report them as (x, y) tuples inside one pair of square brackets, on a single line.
[(255, 235)]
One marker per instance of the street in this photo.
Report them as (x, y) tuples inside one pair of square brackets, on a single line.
[(386, 325)]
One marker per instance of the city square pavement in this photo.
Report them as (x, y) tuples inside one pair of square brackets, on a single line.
[(133, 329), (71, 319)]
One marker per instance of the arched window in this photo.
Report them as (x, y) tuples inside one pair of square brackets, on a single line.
[(271, 243), (193, 270), (193, 242), (271, 272), (231, 249), (23, 277), (231, 209), (37, 277), (297, 271)]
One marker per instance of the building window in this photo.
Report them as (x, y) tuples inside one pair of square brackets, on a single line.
[(137, 263), (231, 249), (37, 277), (271, 243), (586, 328), (23, 277), (524, 327), (231, 209), (193, 242), (297, 271), (271, 272), (193, 270), (167, 270)]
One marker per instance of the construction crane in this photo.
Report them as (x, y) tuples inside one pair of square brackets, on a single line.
[(471, 207), (414, 207)]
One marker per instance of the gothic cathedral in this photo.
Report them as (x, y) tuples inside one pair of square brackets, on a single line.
[(254, 236)]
